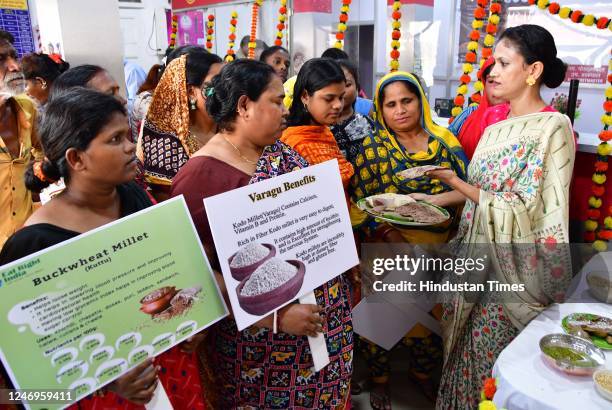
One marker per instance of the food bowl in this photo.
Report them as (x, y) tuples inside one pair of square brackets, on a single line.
[(600, 285), (604, 391), (571, 354), (265, 302), (245, 271), (158, 300)]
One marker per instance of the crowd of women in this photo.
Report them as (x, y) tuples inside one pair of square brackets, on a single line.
[(200, 127)]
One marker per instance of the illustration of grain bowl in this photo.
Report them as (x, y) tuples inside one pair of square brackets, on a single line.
[(248, 258), (180, 304), (157, 300), (271, 285)]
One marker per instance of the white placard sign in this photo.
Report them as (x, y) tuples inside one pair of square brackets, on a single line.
[(279, 239)]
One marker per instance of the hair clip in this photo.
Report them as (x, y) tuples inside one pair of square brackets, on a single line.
[(210, 91)]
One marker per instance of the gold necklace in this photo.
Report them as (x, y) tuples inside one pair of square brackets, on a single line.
[(245, 159)]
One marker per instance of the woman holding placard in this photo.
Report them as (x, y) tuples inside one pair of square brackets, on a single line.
[(257, 368), (86, 140)]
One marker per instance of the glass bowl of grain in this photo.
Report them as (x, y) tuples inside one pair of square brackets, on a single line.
[(572, 355), (600, 285), (603, 383), (248, 258), (271, 285)]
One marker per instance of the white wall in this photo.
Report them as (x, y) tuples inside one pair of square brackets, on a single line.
[(139, 27), (89, 31)]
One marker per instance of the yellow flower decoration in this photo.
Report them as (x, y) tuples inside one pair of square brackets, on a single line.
[(494, 19), (282, 18), (489, 40), (394, 64), (456, 111), (542, 4), (252, 44), (397, 25), (595, 202), (588, 20), (564, 12), (608, 222), (604, 149), (486, 405), (600, 246), (468, 68), (344, 9), (462, 89), (397, 6), (477, 24), (259, 2), (599, 179), (478, 86), (395, 44), (232, 29), (609, 89), (472, 46), (606, 119), (590, 225), (234, 14), (342, 27)]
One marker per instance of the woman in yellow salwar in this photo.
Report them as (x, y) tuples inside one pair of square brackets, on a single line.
[(405, 137)]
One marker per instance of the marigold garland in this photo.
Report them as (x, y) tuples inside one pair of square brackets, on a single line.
[(486, 394), (173, 32), (282, 18), (601, 236), (230, 55), (470, 58), (253, 39), (488, 43), (343, 19), (576, 16), (396, 34), (210, 31)]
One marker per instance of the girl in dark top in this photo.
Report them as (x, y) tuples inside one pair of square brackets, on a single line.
[(85, 137)]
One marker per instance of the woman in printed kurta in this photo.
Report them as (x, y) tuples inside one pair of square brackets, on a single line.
[(176, 123), (518, 200), (256, 368)]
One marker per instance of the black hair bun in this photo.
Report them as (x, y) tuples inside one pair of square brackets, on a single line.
[(554, 73)]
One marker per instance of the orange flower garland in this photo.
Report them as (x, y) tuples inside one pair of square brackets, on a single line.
[(232, 38), (396, 34), (282, 18), (488, 42), (594, 233), (210, 24), (173, 31), (576, 16), (253, 38), (470, 59), (344, 11)]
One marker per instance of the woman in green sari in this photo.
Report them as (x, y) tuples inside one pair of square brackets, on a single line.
[(405, 137)]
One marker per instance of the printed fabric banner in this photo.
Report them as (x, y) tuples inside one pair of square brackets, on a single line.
[(281, 238), (80, 314)]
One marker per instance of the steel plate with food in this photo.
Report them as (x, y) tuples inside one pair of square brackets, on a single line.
[(571, 354), (598, 328), (403, 210)]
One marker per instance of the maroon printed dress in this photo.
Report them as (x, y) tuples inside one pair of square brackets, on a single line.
[(255, 368)]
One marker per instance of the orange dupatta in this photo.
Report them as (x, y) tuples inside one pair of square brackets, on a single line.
[(317, 144)]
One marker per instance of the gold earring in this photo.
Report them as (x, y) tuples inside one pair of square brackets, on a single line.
[(530, 81)]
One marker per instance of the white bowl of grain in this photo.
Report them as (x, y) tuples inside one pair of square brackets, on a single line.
[(248, 258), (603, 383), (273, 284)]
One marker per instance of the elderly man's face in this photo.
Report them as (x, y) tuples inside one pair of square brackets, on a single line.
[(11, 78)]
